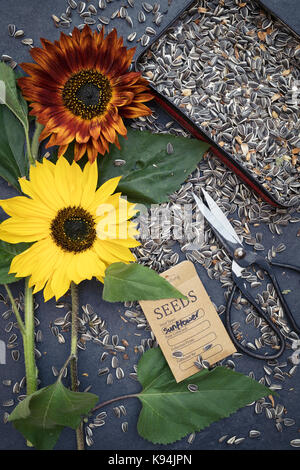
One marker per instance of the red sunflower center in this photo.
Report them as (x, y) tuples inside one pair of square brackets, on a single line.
[(87, 94)]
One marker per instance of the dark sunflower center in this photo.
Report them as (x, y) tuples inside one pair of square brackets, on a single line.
[(73, 229), (87, 94)]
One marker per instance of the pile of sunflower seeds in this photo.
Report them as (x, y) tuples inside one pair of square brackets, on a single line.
[(102, 13), (235, 72)]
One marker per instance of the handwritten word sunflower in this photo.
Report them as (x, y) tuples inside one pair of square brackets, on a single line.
[(80, 89), (77, 230)]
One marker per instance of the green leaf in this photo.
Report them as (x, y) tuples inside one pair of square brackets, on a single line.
[(13, 125), (9, 162), (41, 416), (7, 252), (170, 411), (126, 282), (13, 98), (150, 174)]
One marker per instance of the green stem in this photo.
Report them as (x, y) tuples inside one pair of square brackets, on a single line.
[(73, 363), (28, 340), (29, 154), (108, 402), (35, 140), (15, 310)]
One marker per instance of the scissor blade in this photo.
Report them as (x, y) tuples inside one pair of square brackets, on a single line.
[(237, 269), (219, 214), (216, 224)]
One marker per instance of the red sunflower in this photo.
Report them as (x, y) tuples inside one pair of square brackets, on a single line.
[(80, 89)]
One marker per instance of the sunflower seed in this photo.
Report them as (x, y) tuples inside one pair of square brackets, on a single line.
[(141, 17), (128, 19), (191, 438), (150, 31), (295, 443), (92, 9), (15, 354), (254, 433), (131, 37), (6, 382), (117, 411), (103, 371), (89, 21), (81, 7), (192, 388), (147, 7), (239, 440), (170, 148), (102, 4), (27, 41), (109, 379), (289, 421), (11, 29), (16, 388), (114, 362), (123, 12), (8, 403), (119, 373), (103, 20), (231, 440), (72, 4), (124, 426), (119, 162)]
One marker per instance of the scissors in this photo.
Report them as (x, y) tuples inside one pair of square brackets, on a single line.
[(243, 258)]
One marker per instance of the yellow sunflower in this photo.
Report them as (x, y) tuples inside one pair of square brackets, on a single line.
[(80, 89), (77, 230)]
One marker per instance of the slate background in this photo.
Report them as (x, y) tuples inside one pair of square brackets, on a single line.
[(35, 18)]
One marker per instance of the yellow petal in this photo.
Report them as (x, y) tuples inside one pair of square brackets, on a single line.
[(76, 184), (117, 250), (63, 183), (60, 282), (106, 256), (42, 186), (89, 184), (48, 292), (104, 192), (38, 260), (22, 206), (16, 230)]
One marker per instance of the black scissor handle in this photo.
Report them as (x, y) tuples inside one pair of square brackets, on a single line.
[(239, 284), (267, 266)]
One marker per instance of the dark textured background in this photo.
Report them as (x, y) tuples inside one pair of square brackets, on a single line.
[(34, 17), (286, 10)]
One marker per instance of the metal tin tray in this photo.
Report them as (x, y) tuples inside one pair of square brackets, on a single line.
[(184, 120)]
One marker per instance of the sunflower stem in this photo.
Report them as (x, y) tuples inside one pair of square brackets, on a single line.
[(73, 362), (108, 402), (28, 340), (29, 344), (29, 154), (15, 310), (35, 141)]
